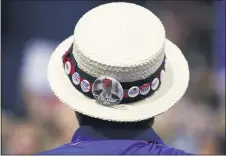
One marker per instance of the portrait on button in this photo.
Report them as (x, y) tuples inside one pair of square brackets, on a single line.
[(107, 90)]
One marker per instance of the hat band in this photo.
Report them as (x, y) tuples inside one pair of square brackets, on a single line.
[(131, 91)]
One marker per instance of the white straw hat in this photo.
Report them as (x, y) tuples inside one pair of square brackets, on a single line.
[(118, 65)]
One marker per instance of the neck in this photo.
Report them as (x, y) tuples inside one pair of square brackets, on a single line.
[(102, 124), (119, 132), (118, 126)]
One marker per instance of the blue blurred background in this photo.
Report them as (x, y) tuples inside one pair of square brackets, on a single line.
[(33, 119)]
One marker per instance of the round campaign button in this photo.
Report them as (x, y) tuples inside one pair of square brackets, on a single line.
[(76, 78), (107, 91), (155, 84), (85, 85), (145, 89), (67, 67), (133, 91), (162, 74)]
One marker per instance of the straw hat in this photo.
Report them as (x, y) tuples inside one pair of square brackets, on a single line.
[(118, 65)]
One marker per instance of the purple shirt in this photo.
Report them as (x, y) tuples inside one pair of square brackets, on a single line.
[(87, 140)]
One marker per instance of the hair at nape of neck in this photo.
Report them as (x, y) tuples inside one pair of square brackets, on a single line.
[(97, 123)]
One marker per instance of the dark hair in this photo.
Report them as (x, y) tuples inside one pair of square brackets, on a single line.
[(98, 123)]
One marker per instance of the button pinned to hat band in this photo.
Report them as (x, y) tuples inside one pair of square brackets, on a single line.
[(76, 78), (107, 90)]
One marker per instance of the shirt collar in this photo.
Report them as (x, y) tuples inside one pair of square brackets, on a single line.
[(87, 133)]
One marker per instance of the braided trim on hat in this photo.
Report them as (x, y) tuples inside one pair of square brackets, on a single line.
[(123, 73)]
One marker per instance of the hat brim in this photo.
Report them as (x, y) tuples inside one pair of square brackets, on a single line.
[(173, 87)]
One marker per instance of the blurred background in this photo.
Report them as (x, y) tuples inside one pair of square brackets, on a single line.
[(34, 120)]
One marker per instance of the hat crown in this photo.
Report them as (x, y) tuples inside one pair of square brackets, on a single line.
[(120, 40)]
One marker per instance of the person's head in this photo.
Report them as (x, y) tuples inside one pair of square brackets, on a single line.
[(132, 56), (107, 85), (98, 123)]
